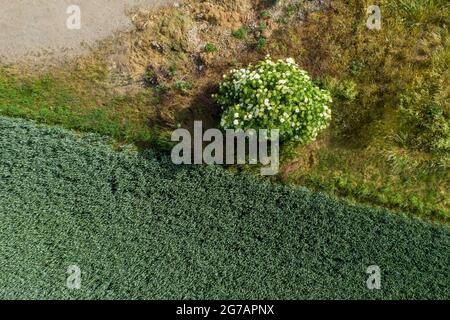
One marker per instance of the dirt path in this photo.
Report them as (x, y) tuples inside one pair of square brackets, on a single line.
[(38, 28)]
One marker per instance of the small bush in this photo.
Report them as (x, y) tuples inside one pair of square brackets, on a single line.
[(274, 95)]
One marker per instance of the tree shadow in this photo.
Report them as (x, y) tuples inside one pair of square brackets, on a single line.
[(202, 108)]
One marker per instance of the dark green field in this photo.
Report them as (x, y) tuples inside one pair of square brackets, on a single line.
[(139, 227)]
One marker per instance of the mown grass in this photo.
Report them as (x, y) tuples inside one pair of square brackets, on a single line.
[(140, 227)]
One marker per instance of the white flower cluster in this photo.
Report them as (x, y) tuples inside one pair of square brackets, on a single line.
[(274, 95)]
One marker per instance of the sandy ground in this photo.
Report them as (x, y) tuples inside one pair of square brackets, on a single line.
[(34, 29)]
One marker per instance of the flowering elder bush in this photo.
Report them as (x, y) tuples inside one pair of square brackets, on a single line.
[(274, 95)]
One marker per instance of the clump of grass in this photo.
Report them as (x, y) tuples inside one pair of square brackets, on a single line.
[(261, 43), (264, 14), (290, 10), (183, 86), (262, 26), (171, 70), (240, 33), (210, 47)]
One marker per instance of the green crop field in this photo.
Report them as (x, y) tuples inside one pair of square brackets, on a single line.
[(140, 227)]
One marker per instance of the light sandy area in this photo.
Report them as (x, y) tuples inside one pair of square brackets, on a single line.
[(34, 29)]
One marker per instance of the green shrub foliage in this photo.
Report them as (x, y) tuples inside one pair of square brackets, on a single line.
[(140, 227), (274, 95)]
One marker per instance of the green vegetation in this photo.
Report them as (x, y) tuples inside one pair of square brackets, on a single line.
[(209, 47), (140, 227), (398, 75), (388, 142), (261, 43), (389, 139), (274, 95), (79, 100), (240, 33), (183, 86), (262, 26), (264, 14)]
